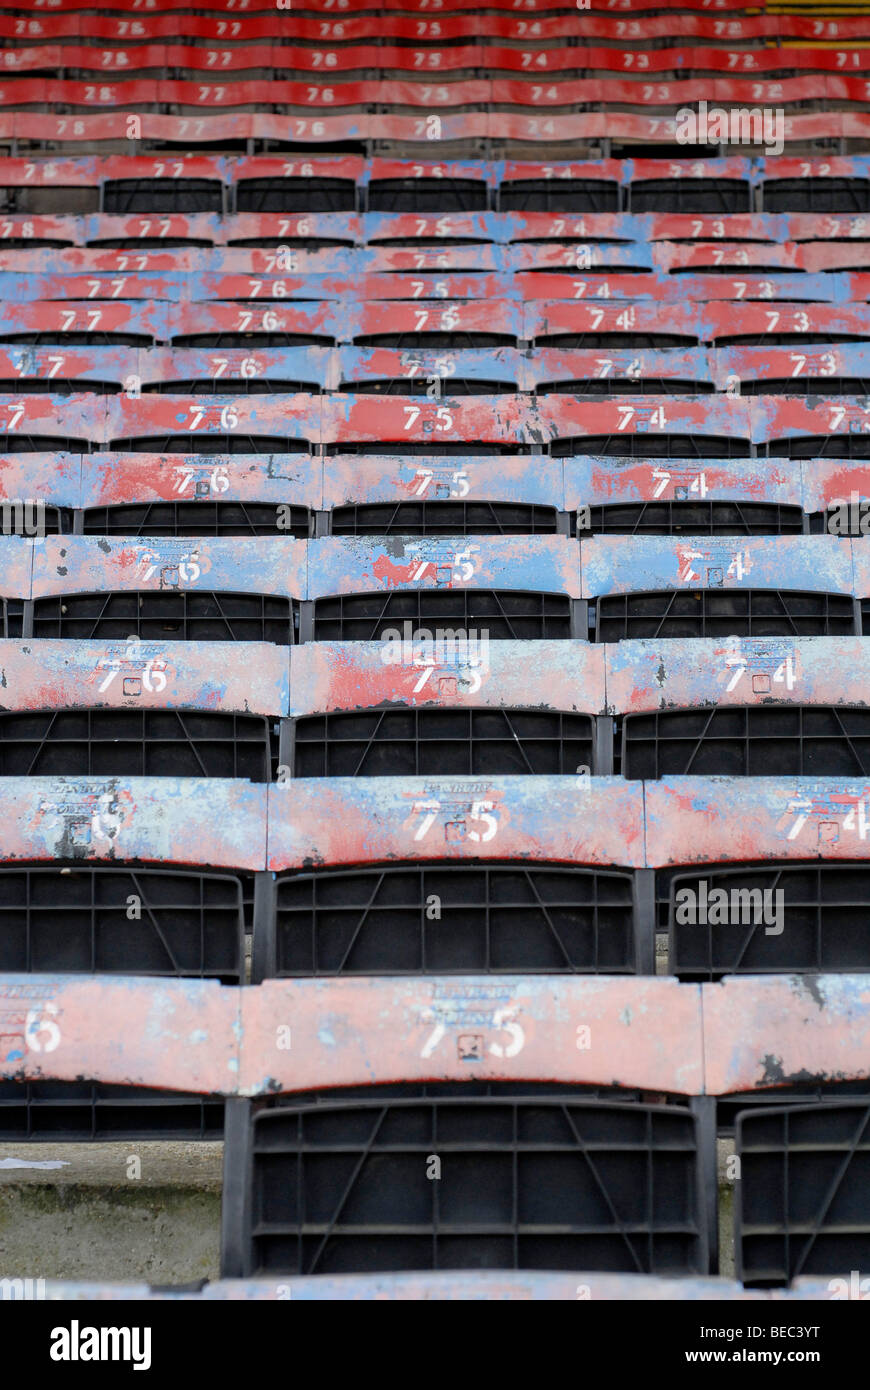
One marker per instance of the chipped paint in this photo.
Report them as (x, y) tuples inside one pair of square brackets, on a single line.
[(344, 820)]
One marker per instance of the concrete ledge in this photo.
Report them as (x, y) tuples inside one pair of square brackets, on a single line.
[(161, 1164), (157, 1235)]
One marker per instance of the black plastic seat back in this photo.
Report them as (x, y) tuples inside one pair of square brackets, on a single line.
[(803, 1200), (179, 616), (502, 613), (491, 918), (526, 1182), (786, 917), (748, 741), (724, 613)]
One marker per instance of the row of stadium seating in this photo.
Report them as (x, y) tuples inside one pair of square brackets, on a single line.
[(341, 725), (811, 270), (434, 585), (391, 95), (559, 425), (577, 899), (589, 1170), (74, 22), (353, 286), (418, 370), (356, 588), (453, 236), (300, 495), (177, 183), (440, 323), (339, 7), (376, 59)]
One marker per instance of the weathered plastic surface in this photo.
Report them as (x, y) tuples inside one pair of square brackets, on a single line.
[(429, 167), (592, 226), (603, 481), (106, 226), (566, 416), (609, 91), (465, 1286), (328, 368), (677, 674), (762, 1033), (818, 226), (79, 416), (730, 167), (163, 820), (109, 1028), (413, 6), (502, 316), (17, 288), (641, 1032), (42, 227), (291, 1036), (503, 23), (85, 564), (598, 170), (769, 285), (78, 261), (821, 564), (436, 284), (321, 128), (574, 260), (549, 364), (319, 319), (345, 820), (325, 129), (674, 255), (40, 674), (351, 565), (832, 255), (593, 284), (748, 226), (53, 478), (793, 362), (861, 565), (497, 227), (94, 170), (289, 416), (421, 364), (357, 675), (339, 226), (818, 167), (304, 364), (352, 479), (457, 93), (82, 172), (588, 283), (696, 820), (16, 559), (455, 27), (830, 482), (147, 320), (499, 419), (577, 316), (784, 417), (113, 364), (427, 258), (482, 226), (346, 281), (113, 479), (442, 477), (817, 321)]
